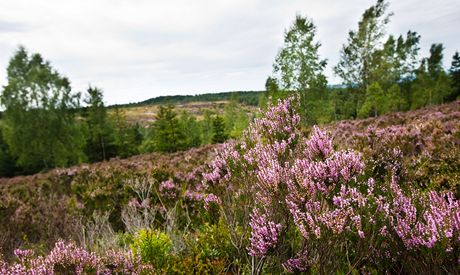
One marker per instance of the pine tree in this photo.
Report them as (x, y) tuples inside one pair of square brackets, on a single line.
[(191, 130), (432, 85), (454, 72), (374, 103), (100, 141), (219, 132), (7, 167), (125, 136), (207, 127), (167, 136)]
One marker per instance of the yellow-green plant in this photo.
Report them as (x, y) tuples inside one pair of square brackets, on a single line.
[(153, 246)]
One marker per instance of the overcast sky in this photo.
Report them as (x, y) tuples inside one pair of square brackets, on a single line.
[(135, 49)]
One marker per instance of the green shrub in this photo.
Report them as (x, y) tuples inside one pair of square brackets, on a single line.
[(209, 250), (153, 246)]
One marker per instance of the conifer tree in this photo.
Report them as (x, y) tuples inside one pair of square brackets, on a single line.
[(454, 72), (167, 136), (219, 132), (432, 85), (100, 141)]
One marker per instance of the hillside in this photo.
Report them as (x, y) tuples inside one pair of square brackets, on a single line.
[(144, 114), (244, 97), (36, 211)]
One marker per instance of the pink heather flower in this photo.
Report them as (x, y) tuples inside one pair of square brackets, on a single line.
[(298, 264), (211, 199), (20, 253), (319, 145), (168, 189), (193, 195), (75, 260), (264, 234)]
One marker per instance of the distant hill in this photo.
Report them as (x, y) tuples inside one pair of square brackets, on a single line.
[(244, 97)]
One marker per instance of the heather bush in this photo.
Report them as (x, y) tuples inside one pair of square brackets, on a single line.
[(68, 258), (382, 196), (319, 209)]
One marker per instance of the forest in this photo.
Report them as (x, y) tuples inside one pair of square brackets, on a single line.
[(357, 178)]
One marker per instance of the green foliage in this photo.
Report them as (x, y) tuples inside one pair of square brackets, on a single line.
[(455, 77), (40, 126), (206, 127), (394, 99), (209, 251), (100, 143), (153, 246), (298, 67), (219, 132), (355, 65), (395, 61), (166, 135), (236, 119), (432, 85), (191, 130), (344, 103), (127, 138), (7, 167), (374, 103)]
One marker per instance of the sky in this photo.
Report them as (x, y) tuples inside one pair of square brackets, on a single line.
[(138, 49)]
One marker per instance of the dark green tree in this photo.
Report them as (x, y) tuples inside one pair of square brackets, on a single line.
[(394, 101), (396, 61), (219, 132), (206, 127), (432, 85), (454, 72), (7, 163), (40, 126), (100, 140), (374, 103), (167, 134), (126, 137), (191, 130)]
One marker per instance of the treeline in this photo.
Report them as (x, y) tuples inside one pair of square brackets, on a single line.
[(44, 125), (244, 97), (381, 73), (172, 131)]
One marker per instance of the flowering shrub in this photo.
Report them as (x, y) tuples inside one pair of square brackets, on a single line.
[(382, 197), (424, 143), (264, 234), (69, 258), (315, 208), (168, 189)]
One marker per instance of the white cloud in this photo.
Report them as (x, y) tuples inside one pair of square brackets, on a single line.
[(139, 49)]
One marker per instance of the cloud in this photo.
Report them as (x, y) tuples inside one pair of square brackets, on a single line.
[(139, 49)]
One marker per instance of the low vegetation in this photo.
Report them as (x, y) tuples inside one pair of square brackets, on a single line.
[(266, 203), (361, 178)]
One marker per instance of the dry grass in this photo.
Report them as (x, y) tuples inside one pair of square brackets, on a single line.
[(144, 115)]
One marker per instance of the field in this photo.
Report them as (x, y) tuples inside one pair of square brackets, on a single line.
[(191, 210), (145, 115)]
